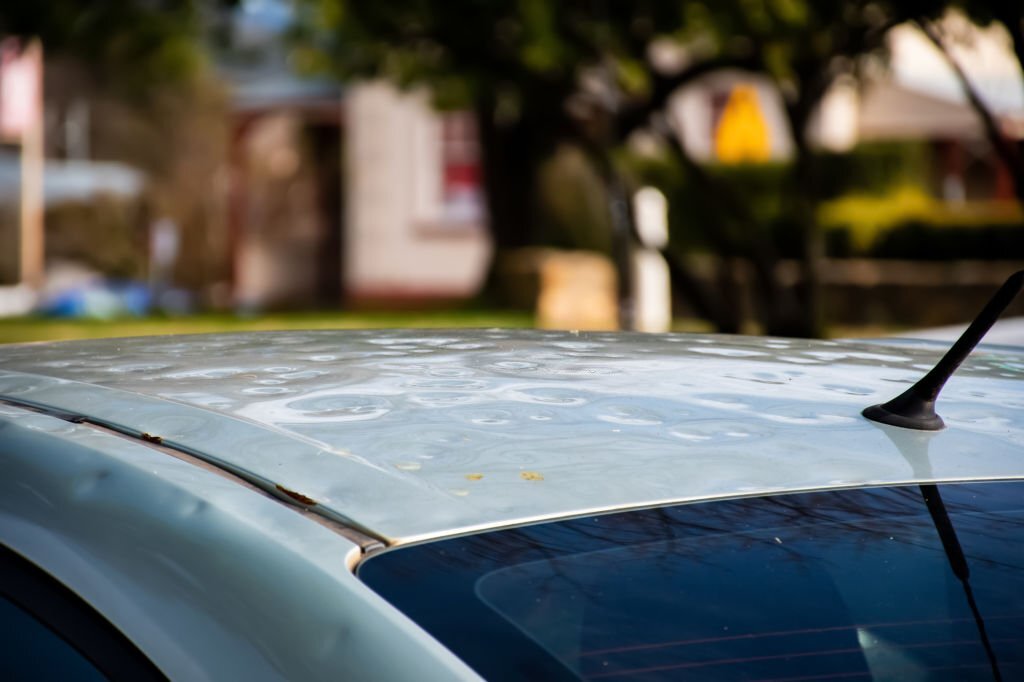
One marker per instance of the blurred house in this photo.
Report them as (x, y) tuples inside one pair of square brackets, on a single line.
[(285, 195), (362, 194), (882, 110), (366, 197), (415, 214), (967, 167), (737, 116)]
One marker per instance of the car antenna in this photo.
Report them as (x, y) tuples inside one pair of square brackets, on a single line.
[(958, 562), (915, 407)]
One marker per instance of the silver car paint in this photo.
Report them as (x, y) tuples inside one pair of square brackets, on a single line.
[(416, 435), (210, 579)]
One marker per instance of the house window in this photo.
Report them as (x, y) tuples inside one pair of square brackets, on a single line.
[(448, 185), (462, 197)]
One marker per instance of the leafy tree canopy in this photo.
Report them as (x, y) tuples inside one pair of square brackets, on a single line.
[(128, 44), (522, 48)]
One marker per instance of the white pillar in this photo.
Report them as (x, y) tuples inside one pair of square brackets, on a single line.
[(652, 285)]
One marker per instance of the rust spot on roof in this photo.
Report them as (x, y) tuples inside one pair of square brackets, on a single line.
[(298, 497), (150, 438), (530, 476)]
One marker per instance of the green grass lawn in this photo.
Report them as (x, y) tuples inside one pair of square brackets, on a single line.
[(32, 328)]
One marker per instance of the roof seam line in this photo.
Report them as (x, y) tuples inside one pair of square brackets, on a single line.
[(365, 539)]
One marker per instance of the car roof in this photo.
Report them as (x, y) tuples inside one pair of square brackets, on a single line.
[(1006, 331), (411, 435)]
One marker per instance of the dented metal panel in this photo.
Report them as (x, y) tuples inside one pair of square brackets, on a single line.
[(210, 579), (412, 434)]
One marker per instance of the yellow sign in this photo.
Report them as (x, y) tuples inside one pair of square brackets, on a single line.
[(742, 134)]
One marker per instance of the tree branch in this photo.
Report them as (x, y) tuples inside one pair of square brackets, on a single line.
[(636, 116), (1004, 149), (737, 237)]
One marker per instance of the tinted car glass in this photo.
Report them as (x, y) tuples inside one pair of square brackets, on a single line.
[(49, 633), (31, 651), (869, 584)]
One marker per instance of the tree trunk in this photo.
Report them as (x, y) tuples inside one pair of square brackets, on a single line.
[(620, 209), (804, 197), (810, 322), (776, 307), (623, 227), (511, 157), (1010, 152)]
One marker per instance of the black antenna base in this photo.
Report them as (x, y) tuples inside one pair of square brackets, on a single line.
[(907, 410), (915, 407)]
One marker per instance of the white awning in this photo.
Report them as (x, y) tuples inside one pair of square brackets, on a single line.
[(73, 180)]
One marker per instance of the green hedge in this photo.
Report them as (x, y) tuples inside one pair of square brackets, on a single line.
[(759, 189), (876, 205), (106, 233), (907, 223), (874, 168), (922, 241)]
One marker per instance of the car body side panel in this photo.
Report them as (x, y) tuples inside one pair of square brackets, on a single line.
[(210, 579)]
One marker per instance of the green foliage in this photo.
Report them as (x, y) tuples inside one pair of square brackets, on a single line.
[(131, 45), (874, 168), (575, 214), (694, 212), (802, 44), (950, 240), (865, 217), (880, 208), (582, 72), (102, 234), (907, 223), (533, 48), (33, 328)]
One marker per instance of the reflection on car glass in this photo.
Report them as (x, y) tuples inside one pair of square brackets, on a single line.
[(818, 586)]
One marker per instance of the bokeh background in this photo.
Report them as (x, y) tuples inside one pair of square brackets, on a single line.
[(804, 168)]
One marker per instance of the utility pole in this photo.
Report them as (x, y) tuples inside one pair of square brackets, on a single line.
[(21, 122)]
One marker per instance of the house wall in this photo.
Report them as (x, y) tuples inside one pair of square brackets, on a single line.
[(399, 244)]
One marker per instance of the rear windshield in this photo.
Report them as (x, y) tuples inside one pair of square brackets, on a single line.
[(903, 583)]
